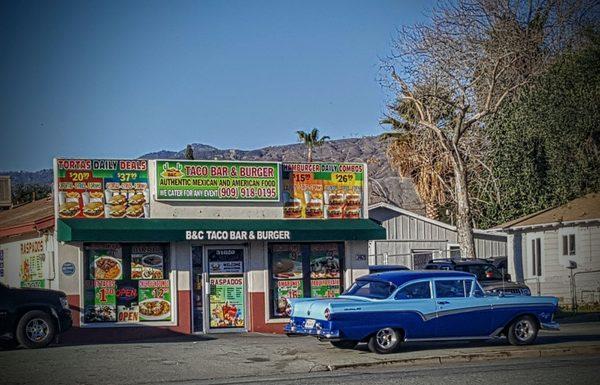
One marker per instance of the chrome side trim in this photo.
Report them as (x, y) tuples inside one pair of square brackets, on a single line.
[(550, 326), (463, 310), (447, 339)]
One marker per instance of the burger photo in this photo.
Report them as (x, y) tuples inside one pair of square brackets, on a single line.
[(353, 199), (352, 212), (336, 199), (118, 199), (93, 209), (314, 209), (137, 199), (68, 209), (334, 212), (134, 211), (292, 208), (117, 211)]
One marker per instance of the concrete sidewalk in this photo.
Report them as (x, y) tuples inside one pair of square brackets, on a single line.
[(188, 358)]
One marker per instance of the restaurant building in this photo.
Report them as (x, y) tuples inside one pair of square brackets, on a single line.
[(207, 246)]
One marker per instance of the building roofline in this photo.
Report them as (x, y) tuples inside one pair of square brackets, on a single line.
[(432, 221)]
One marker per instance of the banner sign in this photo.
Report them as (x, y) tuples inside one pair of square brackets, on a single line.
[(226, 302), (100, 301), (183, 180), (102, 188), (154, 300), (33, 260), (323, 190)]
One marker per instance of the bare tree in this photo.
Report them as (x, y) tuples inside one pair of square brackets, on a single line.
[(459, 69)]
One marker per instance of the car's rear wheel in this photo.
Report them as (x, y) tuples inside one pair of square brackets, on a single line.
[(35, 329), (523, 331), (344, 344), (385, 341)]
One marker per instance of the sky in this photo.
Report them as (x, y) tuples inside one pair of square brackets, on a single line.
[(118, 79)]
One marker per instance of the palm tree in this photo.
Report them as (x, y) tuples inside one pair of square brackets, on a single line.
[(418, 157), (311, 140), (189, 152)]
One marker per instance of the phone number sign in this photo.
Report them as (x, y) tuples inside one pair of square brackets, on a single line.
[(183, 180)]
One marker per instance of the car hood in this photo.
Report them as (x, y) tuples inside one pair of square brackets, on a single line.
[(37, 293)]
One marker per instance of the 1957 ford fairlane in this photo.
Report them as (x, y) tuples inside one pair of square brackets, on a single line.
[(386, 309)]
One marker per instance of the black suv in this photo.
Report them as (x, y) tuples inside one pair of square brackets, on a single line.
[(32, 317), (492, 279)]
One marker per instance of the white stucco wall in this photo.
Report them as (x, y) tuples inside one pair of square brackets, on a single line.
[(13, 260)]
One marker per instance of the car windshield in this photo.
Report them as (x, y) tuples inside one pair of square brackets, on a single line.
[(484, 272), (371, 289)]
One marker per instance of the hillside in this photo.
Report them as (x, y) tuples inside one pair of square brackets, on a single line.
[(385, 185)]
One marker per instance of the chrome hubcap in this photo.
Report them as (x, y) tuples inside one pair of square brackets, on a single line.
[(386, 338), (523, 330), (37, 329)]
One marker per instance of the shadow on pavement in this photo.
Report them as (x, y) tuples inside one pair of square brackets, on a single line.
[(80, 337), (542, 340)]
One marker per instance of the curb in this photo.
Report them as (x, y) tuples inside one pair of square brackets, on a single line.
[(483, 356)]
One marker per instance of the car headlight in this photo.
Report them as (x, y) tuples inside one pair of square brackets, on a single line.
[(64, 303)]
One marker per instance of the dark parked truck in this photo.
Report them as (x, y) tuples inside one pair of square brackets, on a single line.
[(32, 318)]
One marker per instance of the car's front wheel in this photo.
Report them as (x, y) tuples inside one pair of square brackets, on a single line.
[(344, 344), (385, 341), (35, 329), (523, 331)]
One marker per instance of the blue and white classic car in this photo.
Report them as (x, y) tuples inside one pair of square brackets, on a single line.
[(386, 309)]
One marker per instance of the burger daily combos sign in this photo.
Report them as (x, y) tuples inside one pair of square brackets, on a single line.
[(102, 188), (217, 181), (323, 190)]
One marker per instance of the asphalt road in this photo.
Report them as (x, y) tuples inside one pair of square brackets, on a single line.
[(559, 371), (257, 358)]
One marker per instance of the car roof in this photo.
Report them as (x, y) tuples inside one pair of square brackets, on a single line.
[(388, 267), (400, 277)]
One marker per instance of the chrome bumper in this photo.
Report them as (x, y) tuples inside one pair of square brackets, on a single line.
[(316, 332), (550, 326)]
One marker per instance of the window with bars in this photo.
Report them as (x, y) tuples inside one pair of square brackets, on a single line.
[(568, 244), (536, 257)]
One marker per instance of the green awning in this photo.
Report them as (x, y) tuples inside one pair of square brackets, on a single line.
[(169, 230)]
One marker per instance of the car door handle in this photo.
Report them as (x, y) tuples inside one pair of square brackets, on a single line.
[(443, 302)]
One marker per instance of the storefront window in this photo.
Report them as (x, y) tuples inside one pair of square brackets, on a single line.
[(126, 283), (300, 270)]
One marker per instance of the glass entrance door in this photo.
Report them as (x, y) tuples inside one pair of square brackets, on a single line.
[(197, 290), (227, 288)]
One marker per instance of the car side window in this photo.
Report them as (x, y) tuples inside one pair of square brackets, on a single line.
[(455, 288), (478, 292), (417, 290)]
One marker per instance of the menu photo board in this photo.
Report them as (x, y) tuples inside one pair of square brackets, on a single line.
[(226, 302), (147, 262), (323, 190), (154, 300), (100, 301), (105, 261), (287, 289), (191, 180), (102, 188), (33, 259)]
